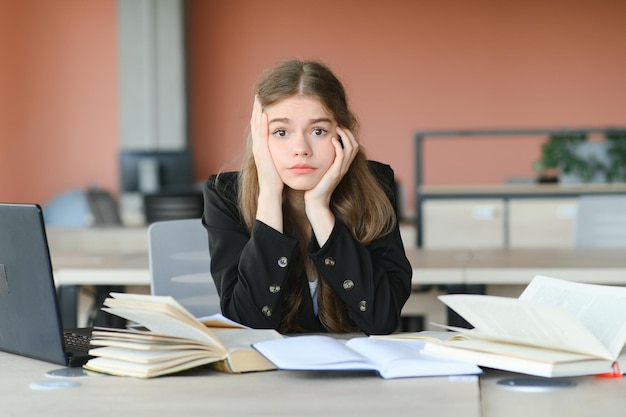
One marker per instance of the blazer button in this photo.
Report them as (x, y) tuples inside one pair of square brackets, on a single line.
[(283, 262), (348, 284), (274, 288), (329, 261), (267, 311), (363, 306)]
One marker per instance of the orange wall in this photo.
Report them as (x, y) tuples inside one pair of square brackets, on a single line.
[(58, 107), (415, 65), (407, 65)]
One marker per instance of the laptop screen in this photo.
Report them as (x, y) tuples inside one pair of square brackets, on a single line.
[(31, 323)]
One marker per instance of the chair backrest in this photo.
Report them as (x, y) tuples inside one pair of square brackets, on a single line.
[(172, 205), (601, 221), (180, 265)]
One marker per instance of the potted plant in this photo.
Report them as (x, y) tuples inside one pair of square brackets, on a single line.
[(574, 159), (617, 154)]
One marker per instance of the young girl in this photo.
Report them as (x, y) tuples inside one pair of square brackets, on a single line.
[(305, 237)]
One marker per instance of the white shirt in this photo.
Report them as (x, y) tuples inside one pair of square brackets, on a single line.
[(313, 289)]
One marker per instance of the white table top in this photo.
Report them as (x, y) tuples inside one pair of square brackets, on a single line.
[(206, 392), (76, 268), (590, 396), (439, 266), (482, 266), (282, 393), (519, 266)]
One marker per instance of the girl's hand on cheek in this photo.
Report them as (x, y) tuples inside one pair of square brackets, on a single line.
[(317, 200), (349, 147), (268, 176), (346, 150)]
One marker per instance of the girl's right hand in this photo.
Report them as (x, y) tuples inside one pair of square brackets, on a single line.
[(269, 180)]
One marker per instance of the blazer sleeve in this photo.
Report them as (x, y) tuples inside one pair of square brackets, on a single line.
[(249, 268), (374, 281)]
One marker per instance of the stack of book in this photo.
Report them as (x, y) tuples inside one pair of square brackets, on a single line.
[(556, 328), (171, 339)]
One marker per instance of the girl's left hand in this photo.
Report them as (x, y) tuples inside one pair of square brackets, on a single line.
[(345, 152)]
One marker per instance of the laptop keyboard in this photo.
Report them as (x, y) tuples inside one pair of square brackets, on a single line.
[(77, 342)]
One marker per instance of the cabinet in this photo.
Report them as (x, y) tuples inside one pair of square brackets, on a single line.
[(152, 99), (464, 223), (516, 216), (151, 70), (505, 215), (541, 222)]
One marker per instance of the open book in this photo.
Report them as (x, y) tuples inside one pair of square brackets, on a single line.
[(174, 340), (388, 358), (427, 335), (555, 328)]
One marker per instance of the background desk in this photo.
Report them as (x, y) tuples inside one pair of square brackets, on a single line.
[(119, 257), (519, 266), (205, 392), (76, 268), (503, 272)]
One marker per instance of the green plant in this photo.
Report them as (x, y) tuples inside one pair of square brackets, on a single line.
[(559, 152), (617, 153)]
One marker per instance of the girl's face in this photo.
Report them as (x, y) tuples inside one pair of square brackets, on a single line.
[(300, 132)]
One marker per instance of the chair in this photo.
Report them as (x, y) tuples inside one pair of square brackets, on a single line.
[(180, 265), (78, 208), (173, 205), (600, 221), (68, 209)]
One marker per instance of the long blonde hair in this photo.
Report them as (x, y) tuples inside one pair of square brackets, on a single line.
[(359, 201)]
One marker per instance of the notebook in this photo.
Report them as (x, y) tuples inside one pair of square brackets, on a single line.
[(30, 323)]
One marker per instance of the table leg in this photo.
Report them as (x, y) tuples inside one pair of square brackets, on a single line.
[(453, 318), (67, 296)]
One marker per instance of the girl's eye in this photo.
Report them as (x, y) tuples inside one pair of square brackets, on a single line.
[(319, 131), (280, 133)]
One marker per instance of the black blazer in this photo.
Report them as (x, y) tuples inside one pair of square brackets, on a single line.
[(250, 268)]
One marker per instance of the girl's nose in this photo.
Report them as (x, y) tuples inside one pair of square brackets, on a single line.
[(301, 146)]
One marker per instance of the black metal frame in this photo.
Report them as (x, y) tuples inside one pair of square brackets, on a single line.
[(420, 136)]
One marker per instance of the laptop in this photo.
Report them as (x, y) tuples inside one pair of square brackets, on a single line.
[(30, 323)]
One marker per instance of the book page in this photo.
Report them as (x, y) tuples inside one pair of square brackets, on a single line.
[(219, 321), (429, 335), (151, 356), (600, 308), (164, 323), (389, 358), (396, 358), (236, 339), (153, 300), (525, 322), (312, 353), (146, 340)]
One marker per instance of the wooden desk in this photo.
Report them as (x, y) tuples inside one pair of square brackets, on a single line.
[(282, 393), (441, 266), (73, 269), (438, 266), (505, 271), (106, 272), (519, 266), (590, 396), (205, 392), (119, 257), (76, 268), (132, 268)]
